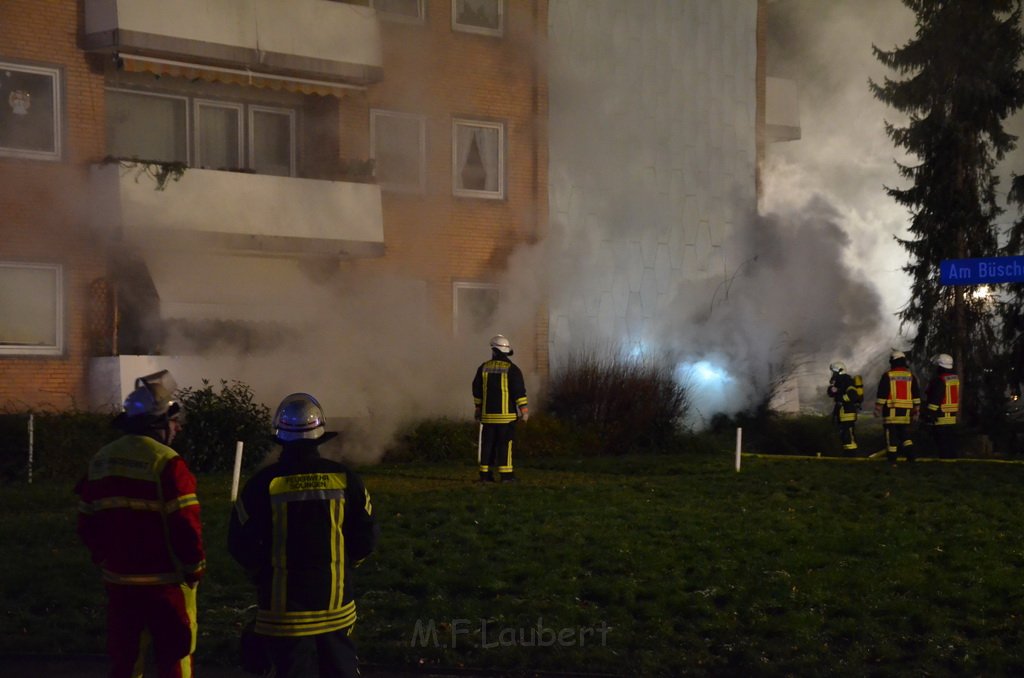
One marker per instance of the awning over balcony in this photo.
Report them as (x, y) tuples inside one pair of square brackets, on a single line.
[(178, 69), (312, 40)]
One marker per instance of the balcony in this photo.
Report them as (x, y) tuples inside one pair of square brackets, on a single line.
[(239, 212), (782, 109), (328, 41)]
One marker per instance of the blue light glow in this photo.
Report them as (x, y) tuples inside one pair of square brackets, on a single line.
[(707, 373)]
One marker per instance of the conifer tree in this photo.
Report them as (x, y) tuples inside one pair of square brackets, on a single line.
[(959, 80)]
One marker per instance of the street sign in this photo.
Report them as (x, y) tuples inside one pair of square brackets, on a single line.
[(983, 271)]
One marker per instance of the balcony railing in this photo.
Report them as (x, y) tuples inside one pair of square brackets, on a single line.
[(238, 212)]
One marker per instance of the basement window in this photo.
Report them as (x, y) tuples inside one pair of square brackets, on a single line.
[(30, 112), (474, 306), (398, 148), (478, 159), (31, 309), (485, 17)]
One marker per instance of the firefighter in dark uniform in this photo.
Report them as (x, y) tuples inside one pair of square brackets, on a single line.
[(942, 405), (299, 528), (847, 396), (139, 518), (499, 400), (898, 402)]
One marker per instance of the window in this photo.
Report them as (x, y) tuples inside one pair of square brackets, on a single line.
[(228, 135), (474, 307), (30, 111), (218, 135), (272, 140), (31, 309), (152, 127), (478, 159), (398, 148), (405, 11), (478, 16)]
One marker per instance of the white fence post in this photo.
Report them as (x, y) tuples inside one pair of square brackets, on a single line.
[(238, 470), (739, 446)]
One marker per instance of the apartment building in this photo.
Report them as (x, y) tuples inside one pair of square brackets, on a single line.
[(177, 176), (207, 184)]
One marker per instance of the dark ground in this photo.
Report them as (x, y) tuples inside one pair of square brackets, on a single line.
[(95, 666)]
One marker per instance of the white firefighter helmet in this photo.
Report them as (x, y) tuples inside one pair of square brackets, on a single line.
[(943, 360), (897, 355), (299, 417), (153, 397), (838, 367), (501, 343)]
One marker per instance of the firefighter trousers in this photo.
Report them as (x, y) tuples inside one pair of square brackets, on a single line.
[(945, 440), (897, 440), (163, 616), (496, 448), (327, 655)]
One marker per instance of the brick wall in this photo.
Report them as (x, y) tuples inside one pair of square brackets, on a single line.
[(44, 218), (442, 74)]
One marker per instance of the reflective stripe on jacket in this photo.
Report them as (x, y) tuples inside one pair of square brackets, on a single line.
[(499, 390), (299, 527), (139, 515), (944, 398), (898, 395)]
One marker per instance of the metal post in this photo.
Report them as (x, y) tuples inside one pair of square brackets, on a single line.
[(31, 444)]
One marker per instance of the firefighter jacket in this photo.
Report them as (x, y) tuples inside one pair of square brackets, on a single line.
[(942, 398), (899, 396), (847, 395), (139, 515), (299, 528), (499, 390)]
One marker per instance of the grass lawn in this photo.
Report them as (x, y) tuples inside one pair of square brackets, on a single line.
[(639, 566)]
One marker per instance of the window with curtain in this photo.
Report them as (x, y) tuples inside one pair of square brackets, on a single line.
[(31, 309), (474, 306), (218, 135), (398, 148), (478, 16), (478, 159), (30, 112), (151, 127), (272, 143)]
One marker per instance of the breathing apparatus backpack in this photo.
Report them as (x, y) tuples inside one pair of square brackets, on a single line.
[(856, 392)]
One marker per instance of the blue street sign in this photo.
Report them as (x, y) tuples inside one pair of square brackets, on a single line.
[(984, 271)]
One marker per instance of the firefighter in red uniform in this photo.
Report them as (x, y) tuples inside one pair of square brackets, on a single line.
[(898, 402), (299, 528), (139, 518), (499, 400), (847, 396), (942, 405)]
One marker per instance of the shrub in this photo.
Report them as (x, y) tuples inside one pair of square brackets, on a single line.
[(214, 422), (548, 436), (632, 405), (434, 440), (62, 443)]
